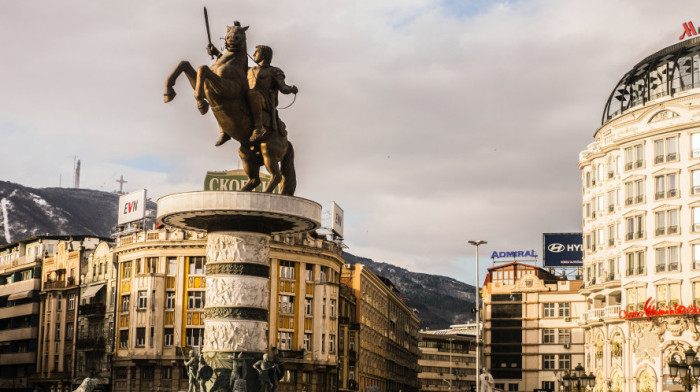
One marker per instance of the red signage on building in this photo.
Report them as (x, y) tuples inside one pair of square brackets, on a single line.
[(650, 310), (688, 30)]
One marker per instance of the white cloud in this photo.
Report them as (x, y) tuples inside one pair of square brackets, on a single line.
[(429, 122)]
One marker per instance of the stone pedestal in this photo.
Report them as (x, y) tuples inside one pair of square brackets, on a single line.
[(239, 226)]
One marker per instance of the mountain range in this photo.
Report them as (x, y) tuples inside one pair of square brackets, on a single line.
[(27, 212)]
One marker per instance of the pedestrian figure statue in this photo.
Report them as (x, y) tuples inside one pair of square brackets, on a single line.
[(486, 381), (249, 116), (237, 381), (192, 366), (268, 373)]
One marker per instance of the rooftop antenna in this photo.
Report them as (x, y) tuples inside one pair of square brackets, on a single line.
[(121, 182)]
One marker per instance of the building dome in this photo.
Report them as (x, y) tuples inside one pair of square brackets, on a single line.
[(668, 72)]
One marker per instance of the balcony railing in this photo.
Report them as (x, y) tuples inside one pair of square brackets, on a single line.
[(602, 313), (96, 344), (92, 309)]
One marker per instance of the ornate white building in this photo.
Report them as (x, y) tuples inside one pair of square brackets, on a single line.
[(641, 223)]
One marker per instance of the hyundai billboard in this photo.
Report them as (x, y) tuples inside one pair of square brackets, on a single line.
[(563, 249)]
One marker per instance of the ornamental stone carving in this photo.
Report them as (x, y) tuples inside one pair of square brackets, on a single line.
[(238, 290), (675, 325), (238, 246), (244, 336)]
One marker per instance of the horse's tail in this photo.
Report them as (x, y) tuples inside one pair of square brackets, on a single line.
[(289, 175)]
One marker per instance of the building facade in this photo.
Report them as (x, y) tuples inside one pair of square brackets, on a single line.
[(58, 313), (448, 359), (160, 305), (20, 284), (641, 223), (348, 331), (531, 334), (388, 338), (95, 328)]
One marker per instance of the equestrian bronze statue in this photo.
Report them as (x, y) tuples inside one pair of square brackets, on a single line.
[(244, 103)]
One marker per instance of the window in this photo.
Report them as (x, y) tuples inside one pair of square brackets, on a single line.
[(666, 222), (142, 299), (512, 387), (668, 295), (634, 157), (324, 274), (194, 337), (331, 344), (667, 259), (696, 182), (635, 227), (71, 301), (167, 373), (151, 340), (124, 338), (147, 373), (285, 340), (307, 341), (635, 298), (635, 263), (564, 361), (169, 300), (172, 266), (59, 300), (126, 270), (307, 307), (333, 307), (69, 331), (695, 145), (168, 337), (309, 272), (696, 293), (696, 219), (548, 336), (197, 265), (612, 198), (548, 385), (138, 263), (286, 304), (195, 300), (140, 337), (564, 336), (611, 235), (125, 303), (549, 310), (587, 180), (634, 192), (152, 265), (666, 186), (323, 343), (287, 269), (564, 309), (666, 150), (696, 256), (58, 332), (548, 361)]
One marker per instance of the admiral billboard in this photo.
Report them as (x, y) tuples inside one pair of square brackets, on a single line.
[(563, 249)]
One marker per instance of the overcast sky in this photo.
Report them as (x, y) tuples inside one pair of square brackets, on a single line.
[(430, 122)]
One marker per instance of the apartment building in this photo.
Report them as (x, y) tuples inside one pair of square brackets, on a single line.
[(531, 332), (448, 359), (388, 339)]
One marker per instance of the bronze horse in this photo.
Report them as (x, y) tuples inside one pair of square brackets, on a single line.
[(224, 86)]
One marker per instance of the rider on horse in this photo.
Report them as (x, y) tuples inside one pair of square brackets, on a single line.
[(264, 81)]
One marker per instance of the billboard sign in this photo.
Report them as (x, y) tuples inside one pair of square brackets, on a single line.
[(563, 249), (132, 207), (337, 217), (233, 180)]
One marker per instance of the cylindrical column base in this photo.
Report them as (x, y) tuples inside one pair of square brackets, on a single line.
[(236, 314)]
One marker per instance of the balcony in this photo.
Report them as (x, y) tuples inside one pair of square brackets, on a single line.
[(91, 344), (22, 333), (54, 284), (291, 354), (661, 268), (19, 310), (97, 309), (17, 358), (608, 312), (344, 320)]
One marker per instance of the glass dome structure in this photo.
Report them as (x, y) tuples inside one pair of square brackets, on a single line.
[(667, 72)]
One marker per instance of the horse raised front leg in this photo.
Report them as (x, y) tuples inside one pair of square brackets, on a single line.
[(182, 66), (203, 73)]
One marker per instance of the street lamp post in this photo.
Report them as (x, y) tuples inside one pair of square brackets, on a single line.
[(688, 372), (478, 328), (578, 381)]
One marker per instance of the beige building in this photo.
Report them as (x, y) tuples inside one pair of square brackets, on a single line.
[(448, 359), (348, 334), (531, 332), (160, 306), (95, 334), (641, 222), (58, 314), (388, 339)]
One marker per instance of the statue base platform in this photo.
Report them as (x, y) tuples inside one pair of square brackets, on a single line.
[(237, 297)]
